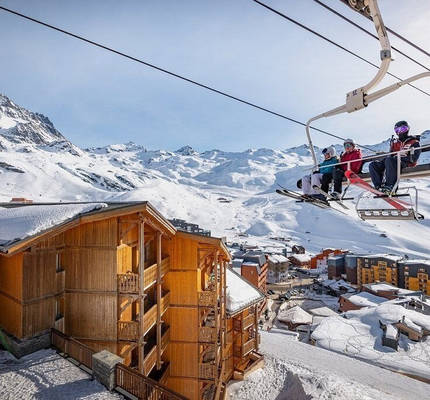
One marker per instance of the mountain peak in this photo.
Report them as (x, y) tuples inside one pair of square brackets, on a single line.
[(186, 151)]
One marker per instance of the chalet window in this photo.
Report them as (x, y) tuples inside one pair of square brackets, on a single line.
[(59, 305)]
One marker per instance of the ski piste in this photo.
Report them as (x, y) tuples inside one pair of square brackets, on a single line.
[(338, 201), (354, 179)]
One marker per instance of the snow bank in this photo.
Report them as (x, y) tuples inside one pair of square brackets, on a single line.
[(240, 293), (359, 335), (20, 222)]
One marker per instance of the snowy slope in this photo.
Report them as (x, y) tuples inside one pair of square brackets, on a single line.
[(38, 162)]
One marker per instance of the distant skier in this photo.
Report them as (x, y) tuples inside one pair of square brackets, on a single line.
[(351, 153), (389, 163), (325, 169)]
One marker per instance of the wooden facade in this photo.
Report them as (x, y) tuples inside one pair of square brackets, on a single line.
[(123, 279)]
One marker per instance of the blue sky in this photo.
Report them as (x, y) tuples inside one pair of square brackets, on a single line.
[(96, 98)]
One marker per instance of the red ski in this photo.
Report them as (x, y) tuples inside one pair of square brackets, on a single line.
[(354, 179)]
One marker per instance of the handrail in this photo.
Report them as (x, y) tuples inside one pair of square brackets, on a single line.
[(366, 159)]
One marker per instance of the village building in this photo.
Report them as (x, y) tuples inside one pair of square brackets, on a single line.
[(300, 260), (357, 301), (414, 275), (319, 260), (277, 268), (390, 335), (294, 317), (120, 277), (414, 330), (378, 268)]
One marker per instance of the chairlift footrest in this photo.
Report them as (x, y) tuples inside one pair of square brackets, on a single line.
[(387, 214)]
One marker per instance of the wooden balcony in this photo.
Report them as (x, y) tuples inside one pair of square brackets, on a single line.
[(207, 335), (207, 371), (248, 346), (128, 283), (165, 266), (207, 298), (128, 330), (165, 339), (150, 360), (150, 318), (165, 302), (248, 321), (166, 374), (150, 276)]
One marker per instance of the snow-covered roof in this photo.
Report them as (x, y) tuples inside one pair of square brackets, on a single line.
[(364, 299), (391, 257), (410, 262), (17, 223), (295, 315), (337, 285), (391, 332), (378, 287), (322, 312), (240, 293), (277, 258), (301, 257)]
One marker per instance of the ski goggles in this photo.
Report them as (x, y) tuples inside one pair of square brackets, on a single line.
[(401, 129), (348, 145)]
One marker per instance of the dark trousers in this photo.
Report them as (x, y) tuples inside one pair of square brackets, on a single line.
[(336, 176), (387, 165)]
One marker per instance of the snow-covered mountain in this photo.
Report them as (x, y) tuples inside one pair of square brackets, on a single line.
[(230, 193)]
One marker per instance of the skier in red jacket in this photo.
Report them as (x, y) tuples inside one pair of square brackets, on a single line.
[(389, 163), (351, 153)]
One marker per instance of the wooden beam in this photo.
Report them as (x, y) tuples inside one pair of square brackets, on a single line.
[(256, 326), (141, 293), (158, 289)]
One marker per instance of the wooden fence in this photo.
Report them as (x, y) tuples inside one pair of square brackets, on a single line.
[(127, 378)]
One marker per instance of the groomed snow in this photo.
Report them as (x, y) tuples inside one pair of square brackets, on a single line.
[(20, 222), (359, 335), (45, 375), (324, 375), (240, 293)]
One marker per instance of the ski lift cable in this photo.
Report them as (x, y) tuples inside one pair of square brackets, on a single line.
[(165, 71), (374, 36), (299, 24)]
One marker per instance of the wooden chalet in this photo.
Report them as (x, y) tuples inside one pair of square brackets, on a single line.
[(120, 277)]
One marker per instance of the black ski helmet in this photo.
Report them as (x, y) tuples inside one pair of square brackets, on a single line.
[(401, 123)]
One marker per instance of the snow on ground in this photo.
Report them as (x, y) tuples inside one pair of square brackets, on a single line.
[(21, 222), (45, 375), (359, 335), (325, 375)]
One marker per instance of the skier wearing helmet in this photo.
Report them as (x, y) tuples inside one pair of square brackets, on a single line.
[(325, 168), (351, 153), (402, 143)]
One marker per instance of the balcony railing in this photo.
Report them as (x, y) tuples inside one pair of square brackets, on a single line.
[(248, 321), (248, 346), (207, 371), (150, 318), (150, 276), (207, 299), (165, 302), (150, 360), (128, 283), (207, 335), (128, 330), (165, 339), (165, 266)]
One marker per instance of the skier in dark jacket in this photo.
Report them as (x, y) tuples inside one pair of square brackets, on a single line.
[(389, 163), (351, 153)]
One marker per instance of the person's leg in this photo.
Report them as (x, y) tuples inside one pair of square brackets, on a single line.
[(338, 175), (316, 181), (390, 171), (306, 185), (325, 182), (376, 170)]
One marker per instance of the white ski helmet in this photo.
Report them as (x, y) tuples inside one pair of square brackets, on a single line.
[(349, 141), (330, 150)]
